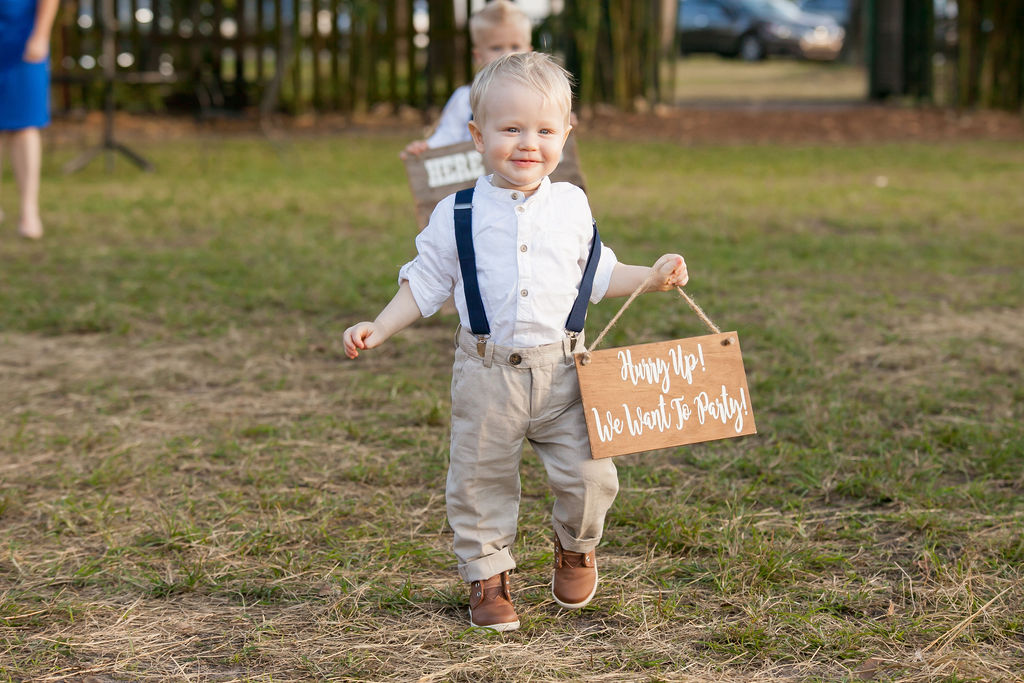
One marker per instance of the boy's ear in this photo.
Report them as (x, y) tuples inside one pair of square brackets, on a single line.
[(478, 136)]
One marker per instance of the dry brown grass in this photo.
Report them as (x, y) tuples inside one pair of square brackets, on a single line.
[(207, 490), (73, 611)]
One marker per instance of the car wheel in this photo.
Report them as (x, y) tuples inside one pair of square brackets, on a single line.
[(751, 49)]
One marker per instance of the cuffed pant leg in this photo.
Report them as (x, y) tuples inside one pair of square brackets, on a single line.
[(584, 488), (483, 487)]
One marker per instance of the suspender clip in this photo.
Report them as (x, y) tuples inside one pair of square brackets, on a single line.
[(573, 337), (481, 343)]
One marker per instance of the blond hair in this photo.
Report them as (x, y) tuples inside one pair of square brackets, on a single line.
[(534, 70), (496, 13)]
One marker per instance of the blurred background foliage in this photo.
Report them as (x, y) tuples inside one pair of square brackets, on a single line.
[(298, 56)]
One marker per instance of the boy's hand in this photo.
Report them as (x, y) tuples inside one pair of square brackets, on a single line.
[(400, 312), (669, 273), (415, 148), (360, 336)]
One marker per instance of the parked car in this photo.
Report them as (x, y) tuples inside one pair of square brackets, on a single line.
[(837, 9), (754, 29)]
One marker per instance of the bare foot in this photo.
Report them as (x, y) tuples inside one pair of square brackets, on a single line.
[(31, 229)]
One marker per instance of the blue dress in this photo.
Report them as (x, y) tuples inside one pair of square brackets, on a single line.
[(24, 86)]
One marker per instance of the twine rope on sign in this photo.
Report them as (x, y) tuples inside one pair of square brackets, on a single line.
[(636, 292)]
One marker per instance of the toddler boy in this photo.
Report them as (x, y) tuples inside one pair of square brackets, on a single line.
[(519, 254), (497, 29)]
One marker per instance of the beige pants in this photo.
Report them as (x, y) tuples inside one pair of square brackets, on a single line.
[(496, 403)]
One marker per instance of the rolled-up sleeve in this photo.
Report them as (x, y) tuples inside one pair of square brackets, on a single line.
[(577, 206), (453, 126), (432, 273), (603, 275)]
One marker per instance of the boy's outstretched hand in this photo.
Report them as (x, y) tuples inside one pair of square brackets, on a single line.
[(669, 273), (400, 312), (361, 336)]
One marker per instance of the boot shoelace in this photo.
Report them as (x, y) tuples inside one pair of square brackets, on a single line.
[(497, 590), (573, 559)]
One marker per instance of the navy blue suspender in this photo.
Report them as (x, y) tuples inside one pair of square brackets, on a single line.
[(467, 264), (578, 314)]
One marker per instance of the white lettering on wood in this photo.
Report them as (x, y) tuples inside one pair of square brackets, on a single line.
[(631, 403), (722, 407), (454, 168)]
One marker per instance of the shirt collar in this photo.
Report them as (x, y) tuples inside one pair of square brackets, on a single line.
[(484, 185)]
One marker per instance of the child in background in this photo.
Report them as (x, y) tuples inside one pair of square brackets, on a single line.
[(498, 29), (514, 378)]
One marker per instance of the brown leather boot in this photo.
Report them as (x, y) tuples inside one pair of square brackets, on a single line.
[(490, 604), (574, 581)]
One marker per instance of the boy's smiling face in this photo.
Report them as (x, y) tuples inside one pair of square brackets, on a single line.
[(520, 134)]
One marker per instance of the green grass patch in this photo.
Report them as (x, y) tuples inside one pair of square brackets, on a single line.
[(195, 482)]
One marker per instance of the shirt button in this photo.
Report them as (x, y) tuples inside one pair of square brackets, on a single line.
[(520, 209), (523, 293), (522, 248), (515, 359), (515, 195)]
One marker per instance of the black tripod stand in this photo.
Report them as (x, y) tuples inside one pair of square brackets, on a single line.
[(109, 144)]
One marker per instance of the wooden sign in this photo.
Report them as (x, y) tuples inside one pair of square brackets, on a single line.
[(650, 396), (438, 172)]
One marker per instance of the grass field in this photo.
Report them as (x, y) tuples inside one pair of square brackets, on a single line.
[(709, 78), (195, 484)]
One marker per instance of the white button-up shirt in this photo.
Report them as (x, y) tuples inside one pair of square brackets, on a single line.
[(453, 126), (530, 256)]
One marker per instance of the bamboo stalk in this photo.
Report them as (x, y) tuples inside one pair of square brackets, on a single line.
[(259, 42), (391, 53), (315, 44), (334, 49), (412, 78)]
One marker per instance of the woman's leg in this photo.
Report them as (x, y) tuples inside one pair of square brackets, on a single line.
[(26, 158)]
